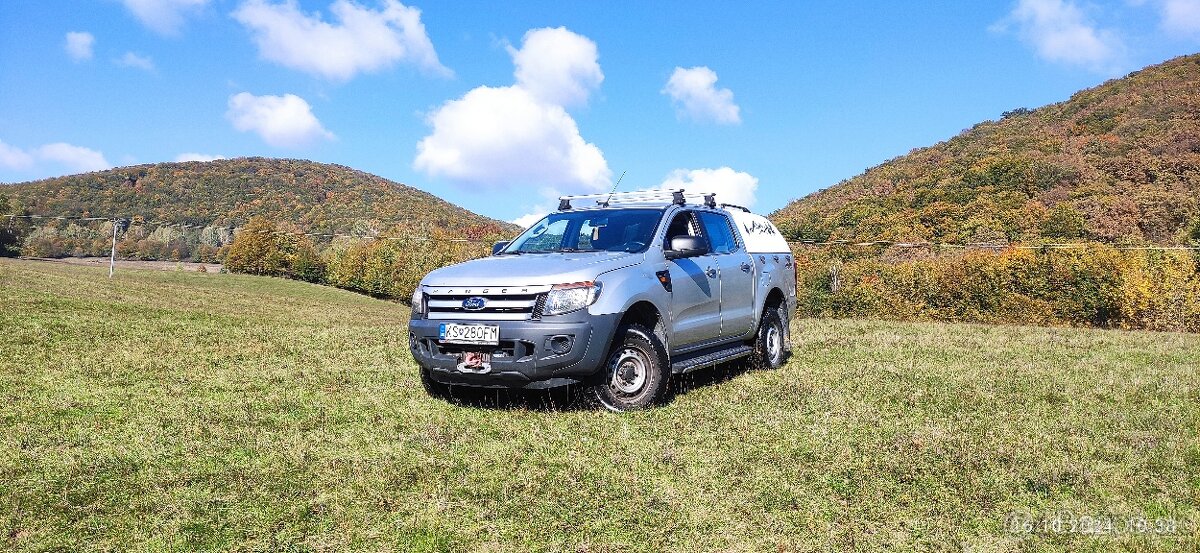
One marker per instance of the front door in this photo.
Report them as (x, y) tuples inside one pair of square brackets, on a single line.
[(696, 290)]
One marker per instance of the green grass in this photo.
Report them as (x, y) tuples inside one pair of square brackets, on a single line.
[(184, 411)]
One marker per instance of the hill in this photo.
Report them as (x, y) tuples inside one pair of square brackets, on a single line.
[(1118, 163), (200, 203), (231, 412), (318, 197)]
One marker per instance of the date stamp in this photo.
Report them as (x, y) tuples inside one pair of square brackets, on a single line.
[(1067, 522)]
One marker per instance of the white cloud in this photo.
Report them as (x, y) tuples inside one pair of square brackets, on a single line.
[(1060, 32), (164, 17), (79, 45), (362, 40), (282, 121), (527, 220), (505, 136), (731, 187), (695, 95), (1181, 17), (514, 136), (135, 61), (557, 66), (74, 158), (12, 157), (192, 156)]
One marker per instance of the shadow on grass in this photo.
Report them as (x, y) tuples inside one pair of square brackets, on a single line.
[(575, 397), (566, 398), (682, 384)]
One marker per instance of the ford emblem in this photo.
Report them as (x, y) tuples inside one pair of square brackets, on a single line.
[(474, 304)]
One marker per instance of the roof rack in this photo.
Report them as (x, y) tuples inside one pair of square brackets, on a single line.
[(677, 197), (735, 206)]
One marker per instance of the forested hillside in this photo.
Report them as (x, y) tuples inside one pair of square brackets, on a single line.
[(1112, 170), (1119, 163), (191, 210)]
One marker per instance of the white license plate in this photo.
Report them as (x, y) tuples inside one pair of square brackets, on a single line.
[(451, 333)]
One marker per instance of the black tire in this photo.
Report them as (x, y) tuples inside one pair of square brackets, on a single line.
[(635, 372), (769, 348), (434, 388)]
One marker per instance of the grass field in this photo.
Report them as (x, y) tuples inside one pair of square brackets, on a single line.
[(186, 411)]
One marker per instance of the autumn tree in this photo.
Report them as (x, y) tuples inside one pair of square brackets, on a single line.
[(255, 249), (9, 240), (262, 248), (1063, 221)]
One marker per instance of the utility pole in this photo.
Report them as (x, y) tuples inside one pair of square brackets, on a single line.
[(112, 257), (119, 225)]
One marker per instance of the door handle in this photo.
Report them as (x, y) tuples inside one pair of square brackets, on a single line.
[(711, 272), (746, 267)]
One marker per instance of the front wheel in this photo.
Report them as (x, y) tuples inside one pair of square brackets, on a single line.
[(768, 344), (635, 373)]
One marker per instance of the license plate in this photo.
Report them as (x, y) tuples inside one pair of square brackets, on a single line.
[(451, 333)]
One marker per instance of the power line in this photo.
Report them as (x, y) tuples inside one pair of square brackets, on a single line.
[(138, 220), (804, 242), (59, 217)]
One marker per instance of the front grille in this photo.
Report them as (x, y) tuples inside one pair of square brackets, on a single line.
[(499, 303), (505, 308), (538, 307)]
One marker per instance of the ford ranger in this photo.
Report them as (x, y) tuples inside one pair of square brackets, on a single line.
[(617, 296)]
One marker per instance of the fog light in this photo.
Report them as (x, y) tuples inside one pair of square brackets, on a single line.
[(560, 344)]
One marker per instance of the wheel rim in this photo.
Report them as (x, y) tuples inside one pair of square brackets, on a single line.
[(774, 342), (629, 371)]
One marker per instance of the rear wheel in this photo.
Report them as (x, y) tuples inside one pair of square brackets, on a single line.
[(635, 373), (768, 344)]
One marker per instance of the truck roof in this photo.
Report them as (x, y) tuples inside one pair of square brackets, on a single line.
[(759, 233), (646, 197)]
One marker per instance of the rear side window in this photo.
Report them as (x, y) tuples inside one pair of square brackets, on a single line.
[(720, 234)]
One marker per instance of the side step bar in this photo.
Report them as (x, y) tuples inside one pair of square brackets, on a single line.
[(710, 359)]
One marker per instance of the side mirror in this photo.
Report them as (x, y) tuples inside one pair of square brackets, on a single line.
[(686, 246), (499, 246)]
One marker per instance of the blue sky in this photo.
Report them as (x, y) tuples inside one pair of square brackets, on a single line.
[(499, 107)]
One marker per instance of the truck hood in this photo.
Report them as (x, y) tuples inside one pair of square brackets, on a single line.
[(531, 269)]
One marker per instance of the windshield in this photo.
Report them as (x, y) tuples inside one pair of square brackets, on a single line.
[(614, 230)]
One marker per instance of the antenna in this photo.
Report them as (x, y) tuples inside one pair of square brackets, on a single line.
[(614, 190)]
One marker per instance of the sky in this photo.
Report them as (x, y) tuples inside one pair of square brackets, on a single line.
[(502, 107)]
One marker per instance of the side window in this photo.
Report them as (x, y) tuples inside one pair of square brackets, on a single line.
[(720, 235), (589, 234), (682, 225)]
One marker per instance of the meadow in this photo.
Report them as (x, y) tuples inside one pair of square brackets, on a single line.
[(182, 411)]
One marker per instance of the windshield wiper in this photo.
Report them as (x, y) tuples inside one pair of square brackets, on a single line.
[(576, 250)]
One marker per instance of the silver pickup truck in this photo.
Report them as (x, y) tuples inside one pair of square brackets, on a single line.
[(617, 296)]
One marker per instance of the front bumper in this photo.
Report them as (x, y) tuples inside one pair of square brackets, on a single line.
[(524, 358)]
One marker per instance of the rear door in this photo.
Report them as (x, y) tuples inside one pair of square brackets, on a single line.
[(735, 271)]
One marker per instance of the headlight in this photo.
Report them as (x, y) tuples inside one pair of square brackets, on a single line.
[(418, 302), (565, 298)]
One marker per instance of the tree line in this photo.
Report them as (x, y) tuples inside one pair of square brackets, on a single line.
[(1098, 285), (390, 265)]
